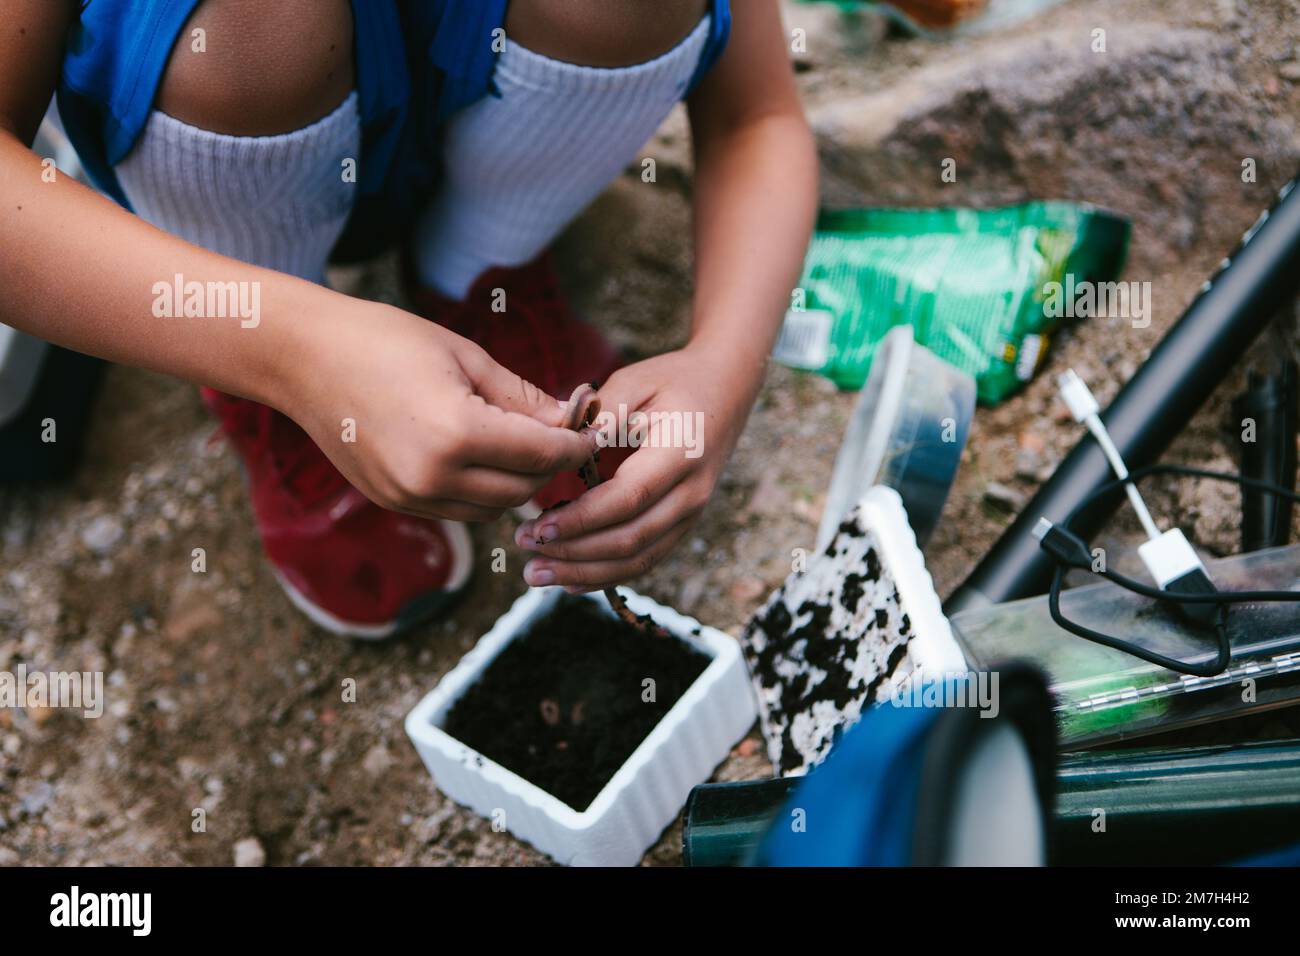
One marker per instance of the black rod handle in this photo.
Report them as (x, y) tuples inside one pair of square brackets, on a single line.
[(1232, 308)]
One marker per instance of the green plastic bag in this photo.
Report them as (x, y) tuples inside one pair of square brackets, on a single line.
[(971, 283)]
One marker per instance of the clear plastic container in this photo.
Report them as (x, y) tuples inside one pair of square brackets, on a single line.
[(907, 432)]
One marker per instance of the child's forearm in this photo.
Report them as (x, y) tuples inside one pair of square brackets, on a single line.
[(755, 202), (444, 431), (79, 271), (755, 196)]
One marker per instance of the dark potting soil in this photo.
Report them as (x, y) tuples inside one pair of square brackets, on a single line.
[(565, 704)]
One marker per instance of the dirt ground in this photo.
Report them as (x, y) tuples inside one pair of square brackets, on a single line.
[(222, 697)]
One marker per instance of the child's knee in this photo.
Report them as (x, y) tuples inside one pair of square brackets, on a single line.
[(281, 68)]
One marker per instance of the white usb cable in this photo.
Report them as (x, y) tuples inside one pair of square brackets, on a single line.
[(1168, 555), (1083, 406)]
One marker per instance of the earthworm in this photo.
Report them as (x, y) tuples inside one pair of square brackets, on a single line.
[(584, 406)]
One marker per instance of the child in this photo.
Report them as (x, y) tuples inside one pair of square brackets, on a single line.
[(253, 141)]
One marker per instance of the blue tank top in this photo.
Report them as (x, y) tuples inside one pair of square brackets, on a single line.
[(415, 64)]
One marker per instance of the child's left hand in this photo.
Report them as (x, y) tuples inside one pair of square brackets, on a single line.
[(755, 198), (625, 526)]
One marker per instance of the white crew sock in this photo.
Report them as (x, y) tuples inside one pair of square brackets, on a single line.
[(273, 201), (519, 167)]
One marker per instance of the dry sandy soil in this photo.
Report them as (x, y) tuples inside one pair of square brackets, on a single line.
[(222, 697)]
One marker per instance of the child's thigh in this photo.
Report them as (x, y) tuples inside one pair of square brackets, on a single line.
[(601, 33), (250, 68)]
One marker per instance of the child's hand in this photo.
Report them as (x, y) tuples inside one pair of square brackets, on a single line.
[(624, 527), (423, 421), (755, 198)]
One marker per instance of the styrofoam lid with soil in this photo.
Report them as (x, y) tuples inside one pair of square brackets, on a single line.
[(849, 629)]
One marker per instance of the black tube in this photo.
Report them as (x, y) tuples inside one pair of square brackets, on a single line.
[(725, 822), (1270, 403), (1195, 355)]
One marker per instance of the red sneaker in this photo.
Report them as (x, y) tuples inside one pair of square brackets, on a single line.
[(537, 336), (352, 567)]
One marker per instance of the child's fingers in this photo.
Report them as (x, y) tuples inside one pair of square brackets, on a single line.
[(540, 571), (513, 442), (641, 481), (507, 391), (620, 540), (452, 510), (494, 488)]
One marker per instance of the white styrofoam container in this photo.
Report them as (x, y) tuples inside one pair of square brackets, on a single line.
[(643, 796), (800, 733)]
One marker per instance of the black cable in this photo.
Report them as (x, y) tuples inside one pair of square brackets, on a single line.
[(1070, 550)]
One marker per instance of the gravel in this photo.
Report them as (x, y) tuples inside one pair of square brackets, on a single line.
[(210, 673)]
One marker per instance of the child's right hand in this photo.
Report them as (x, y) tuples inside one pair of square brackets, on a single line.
[(440, 429)]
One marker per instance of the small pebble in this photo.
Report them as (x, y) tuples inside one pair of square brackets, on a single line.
[(1003, 497), (691, 591), (748, 589), (37, 798), (102, 534), (1032, 466), (249, 852), (377, 760)]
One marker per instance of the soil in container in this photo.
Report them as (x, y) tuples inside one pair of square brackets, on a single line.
[(566, 703)]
